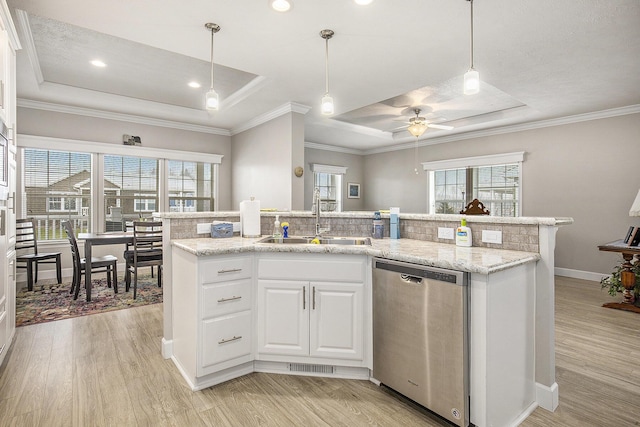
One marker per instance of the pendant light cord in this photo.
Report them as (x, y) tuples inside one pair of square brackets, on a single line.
[(471, 53), (326, 65), (212, 33)]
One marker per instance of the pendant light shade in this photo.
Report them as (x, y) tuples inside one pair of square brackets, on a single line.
[(212, 101), (471, 77), (326, 106)]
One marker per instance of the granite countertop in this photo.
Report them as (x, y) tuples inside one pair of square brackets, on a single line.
[(472, 260), (520, 220)]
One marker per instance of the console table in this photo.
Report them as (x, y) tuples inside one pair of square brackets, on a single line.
[(627, 276)]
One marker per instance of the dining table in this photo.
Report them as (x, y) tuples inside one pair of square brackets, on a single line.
[(100, 239)]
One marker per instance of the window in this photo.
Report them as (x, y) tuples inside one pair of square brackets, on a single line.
[(64, 183), (131, 184), (57, 186), (496, 183), (62, 204), (329, 185), (190, 186), (328, 179)]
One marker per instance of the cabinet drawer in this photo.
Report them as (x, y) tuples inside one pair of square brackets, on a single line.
[(225, 298), (224, 269), (224, 338), (308, 267)]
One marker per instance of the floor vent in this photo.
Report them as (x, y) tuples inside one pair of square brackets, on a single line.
[(316, 369)]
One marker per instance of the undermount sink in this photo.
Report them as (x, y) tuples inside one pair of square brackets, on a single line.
[(353, 241)]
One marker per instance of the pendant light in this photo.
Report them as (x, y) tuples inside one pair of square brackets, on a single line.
[(471, 77), (326, 106), (212, 101)]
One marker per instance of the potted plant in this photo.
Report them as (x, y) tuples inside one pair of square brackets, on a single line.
[(615, 285)]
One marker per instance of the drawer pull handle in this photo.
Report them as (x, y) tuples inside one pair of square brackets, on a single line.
[(231, 270), (235, 338), (229, 299)]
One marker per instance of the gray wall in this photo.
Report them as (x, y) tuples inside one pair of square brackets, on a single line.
[(587, 170), (263, 160), (82, 128), (354, 164)]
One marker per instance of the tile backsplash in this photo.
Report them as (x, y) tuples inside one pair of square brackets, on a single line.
[(518, 237)]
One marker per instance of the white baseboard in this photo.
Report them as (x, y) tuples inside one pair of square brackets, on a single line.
[(579, 274), (167, 348), (547, 397)]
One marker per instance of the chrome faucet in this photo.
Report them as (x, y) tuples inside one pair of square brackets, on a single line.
[(316, 208)]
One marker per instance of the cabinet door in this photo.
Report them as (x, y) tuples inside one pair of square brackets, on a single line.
[(337, 320), (283, 317)]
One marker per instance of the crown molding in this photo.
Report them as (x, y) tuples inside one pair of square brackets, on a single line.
[(129, 118), (7, 25), (333, 148), (604, 114), (244, 92), (289, 107), (22, 19)]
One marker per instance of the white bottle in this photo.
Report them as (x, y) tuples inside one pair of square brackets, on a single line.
[(277, 231), (463, 234)]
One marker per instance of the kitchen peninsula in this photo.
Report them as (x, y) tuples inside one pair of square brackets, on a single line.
[(221, 299)]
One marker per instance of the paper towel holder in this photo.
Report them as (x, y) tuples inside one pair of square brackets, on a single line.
[(298, 171)]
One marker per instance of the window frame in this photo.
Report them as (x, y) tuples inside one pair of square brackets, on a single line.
[(471, 162), (97, 150), (340, 172)]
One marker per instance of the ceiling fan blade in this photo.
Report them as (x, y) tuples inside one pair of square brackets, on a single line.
[(401, 127), (445, 127)]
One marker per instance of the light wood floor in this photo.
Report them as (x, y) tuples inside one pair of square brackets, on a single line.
[(107, 370)]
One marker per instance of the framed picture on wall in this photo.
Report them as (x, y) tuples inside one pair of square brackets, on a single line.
[(353, 190)]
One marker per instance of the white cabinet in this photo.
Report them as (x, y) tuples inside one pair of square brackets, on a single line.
[(214, 331), (322, 317)]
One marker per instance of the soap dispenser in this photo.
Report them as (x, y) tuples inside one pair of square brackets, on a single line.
[(463, 234), (277, 231)]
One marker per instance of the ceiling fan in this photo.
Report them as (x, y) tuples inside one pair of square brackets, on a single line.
[(418, 125)]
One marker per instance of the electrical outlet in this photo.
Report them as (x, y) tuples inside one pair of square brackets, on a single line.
[(203, 228), (492, 236), (445, 233)]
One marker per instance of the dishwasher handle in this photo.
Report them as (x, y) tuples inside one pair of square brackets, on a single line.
[(421, 271)]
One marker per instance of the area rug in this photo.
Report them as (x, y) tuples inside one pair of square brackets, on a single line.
[(51, 301)]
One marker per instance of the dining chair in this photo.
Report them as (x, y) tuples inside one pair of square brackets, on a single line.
[(106, 263), (28, 256), (147, 252)]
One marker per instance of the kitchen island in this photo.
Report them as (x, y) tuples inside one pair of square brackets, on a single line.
[(509, 290)]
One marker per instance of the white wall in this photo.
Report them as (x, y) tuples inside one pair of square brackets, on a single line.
[(587, 170), (353, 163), (263, 160), (83, 128)]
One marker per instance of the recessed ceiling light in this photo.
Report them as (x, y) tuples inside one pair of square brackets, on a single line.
[(194, 85), (280, 5), (98, 63), (363, 2)]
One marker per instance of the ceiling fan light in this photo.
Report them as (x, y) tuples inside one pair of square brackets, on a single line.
[(363, 2), (417, 129), (471, 82), (280, 5), (211, 100), (326, 106)]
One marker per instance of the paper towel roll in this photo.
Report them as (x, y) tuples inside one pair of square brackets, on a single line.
[(250, 218)]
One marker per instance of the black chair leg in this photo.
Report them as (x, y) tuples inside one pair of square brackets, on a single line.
[(115, 278), (135, 284), (29, 275), (58, 269)]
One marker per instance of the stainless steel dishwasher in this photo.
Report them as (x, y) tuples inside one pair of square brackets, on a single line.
[(420, 335)]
